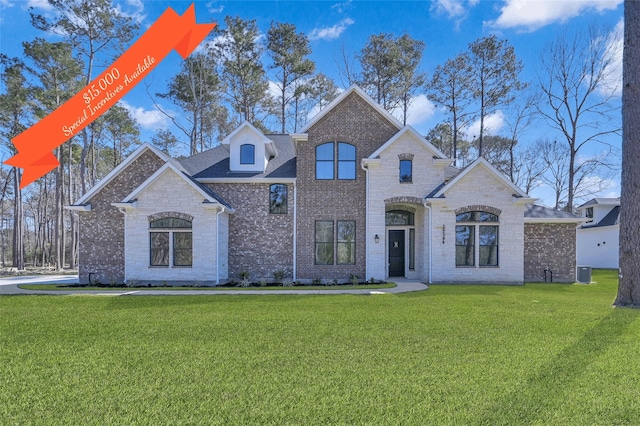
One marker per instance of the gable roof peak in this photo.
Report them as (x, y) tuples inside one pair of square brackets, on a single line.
[(245, 125), (120, 167), (413, 132), (481, 162), (354, 88)]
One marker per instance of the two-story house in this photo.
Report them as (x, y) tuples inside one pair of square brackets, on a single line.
[(598, 237), (354, 192)]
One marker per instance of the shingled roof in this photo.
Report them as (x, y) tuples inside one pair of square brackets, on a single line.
[(214, 163), (536, 213)]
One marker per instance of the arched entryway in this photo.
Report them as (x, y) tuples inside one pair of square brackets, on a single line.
[(401, 234)]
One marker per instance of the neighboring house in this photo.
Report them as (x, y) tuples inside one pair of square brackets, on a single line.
[(353, 193), (598, 237)]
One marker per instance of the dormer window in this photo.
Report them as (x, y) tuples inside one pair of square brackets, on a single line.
[(247, 154), (589, 212)]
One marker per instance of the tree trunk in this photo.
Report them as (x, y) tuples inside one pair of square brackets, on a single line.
[(59, 242), (83, 160), (72, 221), (18, 222), (629, 280)]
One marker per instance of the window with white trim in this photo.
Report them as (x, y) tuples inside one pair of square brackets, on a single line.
[(476, 239), (170, 242), (247, 154)]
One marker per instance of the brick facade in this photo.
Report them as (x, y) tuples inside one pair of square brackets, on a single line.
[(479, 190), (170, 195), (550, 246), (115, 246), (259, 242), (355, 122), (101, 230)]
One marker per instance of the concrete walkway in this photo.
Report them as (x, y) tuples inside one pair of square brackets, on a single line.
[(10, 286)]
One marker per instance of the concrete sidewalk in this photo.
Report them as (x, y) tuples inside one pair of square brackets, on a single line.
[(9, 286)]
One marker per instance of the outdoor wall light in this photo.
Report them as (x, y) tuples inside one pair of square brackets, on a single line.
[(377, 238)]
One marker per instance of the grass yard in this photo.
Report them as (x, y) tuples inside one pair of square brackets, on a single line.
[(67, 287), (486, 355)]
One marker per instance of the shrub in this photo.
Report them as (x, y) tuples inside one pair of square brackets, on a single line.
[(263, 282), (244, 275), (354, 279), (286, 282), (278, 275)]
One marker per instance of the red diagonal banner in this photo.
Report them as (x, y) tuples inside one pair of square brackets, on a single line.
[(170, 31)]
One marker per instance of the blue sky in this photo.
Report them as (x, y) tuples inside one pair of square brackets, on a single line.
[(446, 26)]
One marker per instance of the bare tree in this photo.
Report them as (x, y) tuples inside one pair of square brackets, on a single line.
[(591, 174), (345, 67), (449, 88), (522, 117), (529, 167), (554, 158), (629, 281), (579, 102), (93, 28), (289, 51), (14, 119), (494, 77)]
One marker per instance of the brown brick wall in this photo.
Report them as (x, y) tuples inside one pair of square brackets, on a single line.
[(355, 122), (551, 246), (259, 242), (101, 233)]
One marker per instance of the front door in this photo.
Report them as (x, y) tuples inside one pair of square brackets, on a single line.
[(396, 253)]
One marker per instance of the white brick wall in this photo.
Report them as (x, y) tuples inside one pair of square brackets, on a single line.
[(384, 183), (479, 187), (171, 193)]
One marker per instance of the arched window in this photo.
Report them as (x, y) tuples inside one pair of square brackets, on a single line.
[(326, 159), (399, 218), (278, 198), (247, 154), (170, 242), (474, 231), (346, 161)]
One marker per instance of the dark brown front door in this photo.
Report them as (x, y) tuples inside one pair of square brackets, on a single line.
[(396, 253)]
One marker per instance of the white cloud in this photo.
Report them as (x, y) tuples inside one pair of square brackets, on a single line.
[(39, 4), (451, 8), (147, 119), (341, 7), (212, 9), (330, 33), (533, 14), (615, 43), (493, 123), (135, 9), (421, 109)]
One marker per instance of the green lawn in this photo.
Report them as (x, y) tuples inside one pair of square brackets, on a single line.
[(67, 287), (537, 354)]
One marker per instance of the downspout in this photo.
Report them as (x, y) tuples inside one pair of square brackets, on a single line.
[(218, 245), (295, 230), (430, 241), (124, 213), (366, 223)]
